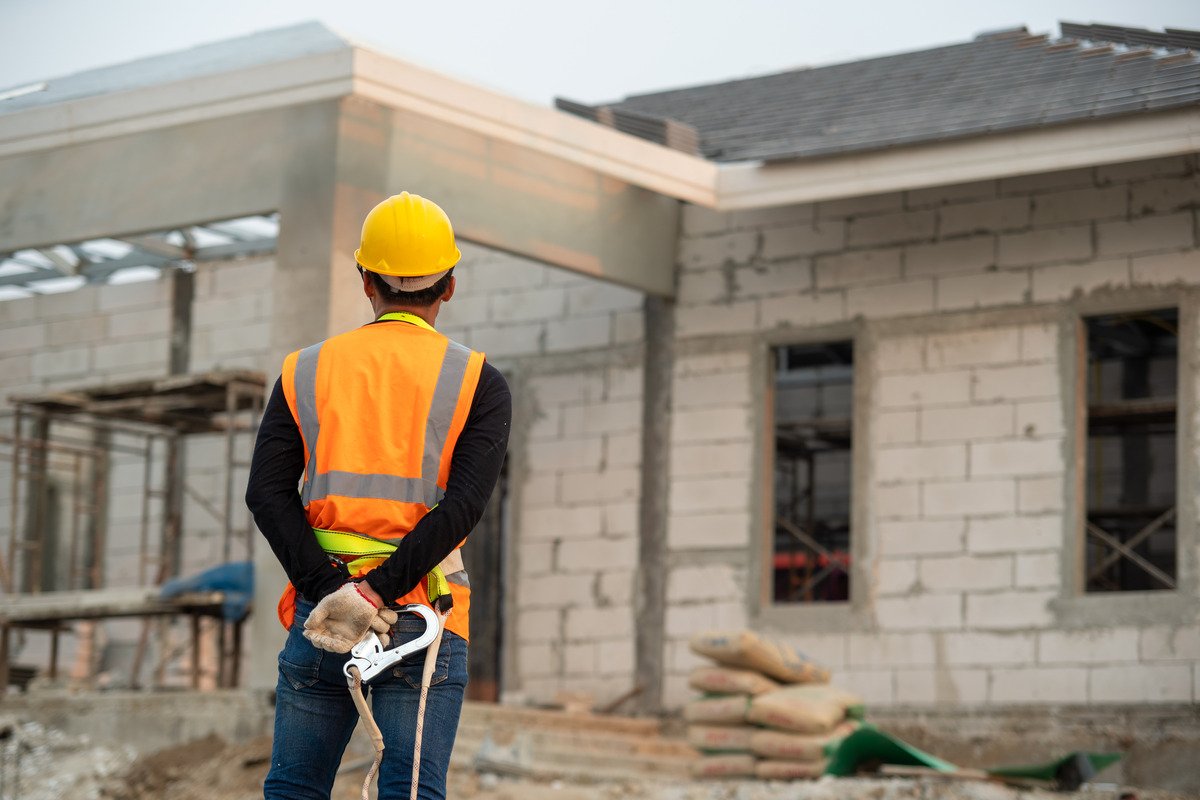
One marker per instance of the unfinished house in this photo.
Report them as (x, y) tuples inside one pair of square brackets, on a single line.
[(895, 359)]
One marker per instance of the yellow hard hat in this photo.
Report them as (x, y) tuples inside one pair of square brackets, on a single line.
[(409, 238)]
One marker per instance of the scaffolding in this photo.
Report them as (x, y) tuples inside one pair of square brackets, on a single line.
[(61, 453)]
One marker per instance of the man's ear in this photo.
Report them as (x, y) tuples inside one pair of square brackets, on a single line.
[(368, 284), (446, 295)]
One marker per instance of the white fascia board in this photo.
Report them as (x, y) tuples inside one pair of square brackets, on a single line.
[(276, 85), (400, 85), (1001, 155)]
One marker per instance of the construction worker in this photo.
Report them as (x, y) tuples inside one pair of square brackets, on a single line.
[(399, 435)]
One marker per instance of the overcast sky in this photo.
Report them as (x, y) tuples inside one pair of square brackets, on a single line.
[(537, 49)]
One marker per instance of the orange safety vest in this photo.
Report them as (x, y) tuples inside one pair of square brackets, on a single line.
[(380, 409)]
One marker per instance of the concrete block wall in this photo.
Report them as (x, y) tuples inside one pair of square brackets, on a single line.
[(960, 300)]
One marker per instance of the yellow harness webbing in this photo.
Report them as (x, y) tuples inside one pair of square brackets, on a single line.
[(364, 553)]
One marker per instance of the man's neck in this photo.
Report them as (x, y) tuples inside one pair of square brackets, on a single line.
[(427, 313)]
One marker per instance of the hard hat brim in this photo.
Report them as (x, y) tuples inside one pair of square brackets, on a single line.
[(412, 284)]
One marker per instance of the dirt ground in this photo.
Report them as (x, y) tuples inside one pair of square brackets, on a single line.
[(55, 768)]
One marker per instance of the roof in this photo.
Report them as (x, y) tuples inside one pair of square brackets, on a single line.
[(1004, 81), (265, 47)]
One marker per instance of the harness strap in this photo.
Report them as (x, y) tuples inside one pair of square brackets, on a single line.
[(363, 553)]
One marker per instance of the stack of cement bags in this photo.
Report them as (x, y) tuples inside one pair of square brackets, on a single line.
[(767, 711)]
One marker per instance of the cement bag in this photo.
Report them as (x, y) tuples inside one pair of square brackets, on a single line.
[(802, 709), (721, 738), (789, 770), (718, 710), (782, 745), (748, 650), (723, 680), (731, 766)]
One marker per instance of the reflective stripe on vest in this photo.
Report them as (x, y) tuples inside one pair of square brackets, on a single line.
[(381, 486)]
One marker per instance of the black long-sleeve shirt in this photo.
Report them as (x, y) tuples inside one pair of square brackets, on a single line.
[(278, 465)]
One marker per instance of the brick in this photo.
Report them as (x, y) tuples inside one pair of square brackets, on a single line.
[(541, 625), (702, 391), (1047, 181), (772, 278), (772, 216), (566, 454), (1164, 195), (602, 486), (1145, 235), (1015, 609), (591, 555), (1068, 280), (900, 354), (615, 416), (920, 538), (23, 339), (975, 497), (977, 291), (560, 522), (1009, 534), (1141, 684), (919, 612), (1039, 570), (1139, 170), (578, 333), (1080, 205), (954, 193), (1016, 382), (891, 650), (970, 254), (984, 216), (1104, 646), (1040, 418), (988, 649), (923, 389), (719, 494), (1039, 685), (969, 348), (596, 298), (598, 623), (1039, 342), (723, 319), (802, 310), (1029, 457), (687, 620), (958, 687), (896, 502), (890, 300), (966, 423), (714, 251), (61, 363), (703, 583), (1170, 643), (895, 427), (895, 576), (857, 206), (1045, 246), (857, 267), (721, 531), (1165, 268), (1036, 495), (821, 236), (696, 460), (710, 425), (915, 463), (972, 573)]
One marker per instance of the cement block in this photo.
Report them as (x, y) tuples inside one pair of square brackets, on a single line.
[(895, 427), (600, 298), (1080, 205), (700, 221), (1045, 246), (546, 425), (802, 310), (507, 340), (702, 391), (1145, 235), (1038, 495), (686, 620), (858, 206), (920, 537), (623, 449), (967, 423), (707, 363), (598, 623), (708, 494), (974, 347), (142, 322), (773, 216), (1039, 685), (895, 576), (579, 658), (538, 660), (1063, 281), (65, 362), (1014, 534), (900, 354), (615, 657), (984, 216), (772, 278), (702, 288), (1141, 684), (1012, 610), (1182, 266), (924, 612), (119, 297), (1027, 457), (954, 193), (23, 338), (956, 292), (76, 331), (628, 326), (592, 555), (1038, 418), (974, 497), (623, 383), (855, 267), (1021, 382), (716, 582), (535, 558), (593, 419), (600, 486), (966, 573), (706, 252), (898, 501), (708, 531), (1164, 195), (820, 236), (560, 522), (621, 519), (874, 686), (924, 389), (615, 588), (568, 388), (556, 592), (1039, 342), (578, 333), (708, 460), (1170, 643), (925, 461), (738, 317), (541, 625), (538, 490), (1104, 646), (710, 425), (988, 649), (890, 300), (528, 305), (575, 453), (891, 650), (957, 687), (971, 254), (1039, 570)]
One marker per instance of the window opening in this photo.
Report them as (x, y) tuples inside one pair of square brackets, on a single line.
[(814, 401), (1132, 380)]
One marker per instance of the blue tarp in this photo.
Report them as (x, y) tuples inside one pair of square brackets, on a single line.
[(235, 580)]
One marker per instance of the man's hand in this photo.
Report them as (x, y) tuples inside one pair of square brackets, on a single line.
[(343, 618)]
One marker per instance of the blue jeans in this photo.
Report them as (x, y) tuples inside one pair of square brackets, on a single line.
[(315, 716)]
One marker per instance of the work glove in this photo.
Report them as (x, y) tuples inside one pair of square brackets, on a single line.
[(343, 618)]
